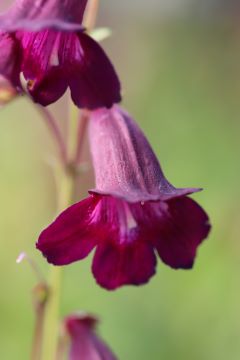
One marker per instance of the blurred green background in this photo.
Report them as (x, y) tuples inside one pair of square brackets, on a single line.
[(181, 78)]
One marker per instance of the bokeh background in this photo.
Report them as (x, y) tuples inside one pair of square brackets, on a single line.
[(179, 61)]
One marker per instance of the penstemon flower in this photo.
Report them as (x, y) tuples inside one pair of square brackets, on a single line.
[(133, 212), (45, 41), (85, 344)]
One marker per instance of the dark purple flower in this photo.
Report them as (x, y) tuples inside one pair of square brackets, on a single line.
[(85, 344), (133, 212), (46, 42)]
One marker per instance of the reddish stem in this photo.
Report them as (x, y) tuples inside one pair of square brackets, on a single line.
[(55, 131)]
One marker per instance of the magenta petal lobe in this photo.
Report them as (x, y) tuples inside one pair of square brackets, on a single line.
[(70, 237), (54, 61), (181, 232), (94, 82), (115, 265), (40, 66)]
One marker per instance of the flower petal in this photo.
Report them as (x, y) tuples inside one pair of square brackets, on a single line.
[(178, 231), (124, 162), (115, 264), (54, 60), (36, 15), (49, 89), (40, 66), (71, 236), (94, 82)]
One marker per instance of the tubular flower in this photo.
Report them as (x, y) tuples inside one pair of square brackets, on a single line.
[(133, 213), (85, 344), (45, 41)]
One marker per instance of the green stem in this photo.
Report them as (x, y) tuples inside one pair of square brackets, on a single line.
[(40, 293), (55, 131), (51, 324)]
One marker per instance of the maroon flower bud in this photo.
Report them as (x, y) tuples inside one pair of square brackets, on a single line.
[(85, 344), (47, 43), (133, 212)]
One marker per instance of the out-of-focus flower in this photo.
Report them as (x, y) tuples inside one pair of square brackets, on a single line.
[(132, 212), (46, 42), (9, 67), (85, 344)]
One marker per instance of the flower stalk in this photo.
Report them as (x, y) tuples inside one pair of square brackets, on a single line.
[(40, 296), (55, 132), (91, 14), (65, 198), (50, 330), (51, 324)]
